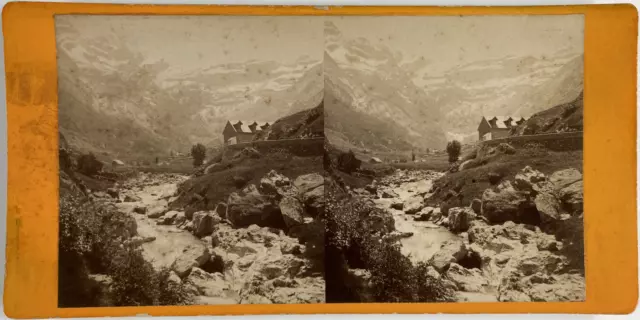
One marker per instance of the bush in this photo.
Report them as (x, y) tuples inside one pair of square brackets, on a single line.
[(470, 156), (353, 239), (91, 241), (453, 150), (198, 153), (89, 165), (572, 235), (347, 162)]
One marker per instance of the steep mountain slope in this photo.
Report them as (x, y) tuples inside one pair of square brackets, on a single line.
[(302, 124), (114, 101), (513, 86), (369, 80), (347, 128), (565, 117)]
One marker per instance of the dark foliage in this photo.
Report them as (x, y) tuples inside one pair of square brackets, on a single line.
[(198, 153), (347, 162), (353, 240), (453, 150), (89, 165)]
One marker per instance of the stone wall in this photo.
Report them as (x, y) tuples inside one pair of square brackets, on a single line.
[(298, 147), (552, 141)]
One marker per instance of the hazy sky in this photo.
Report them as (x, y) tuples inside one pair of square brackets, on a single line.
[(191, 42), (447, 41)]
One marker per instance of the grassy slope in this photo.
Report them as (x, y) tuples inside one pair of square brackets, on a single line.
[(217, 186), (472, 182), (561, 118), (297, 125)]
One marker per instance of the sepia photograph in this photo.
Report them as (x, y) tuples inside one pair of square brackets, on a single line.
[(194, 153), (191, 160), (454, 158)]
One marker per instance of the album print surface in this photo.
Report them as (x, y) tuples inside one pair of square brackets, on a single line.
[(191, 160), (218, 160), (458, 158)]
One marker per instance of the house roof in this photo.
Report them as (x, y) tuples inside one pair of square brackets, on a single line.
[(245, 125), (502, 122)]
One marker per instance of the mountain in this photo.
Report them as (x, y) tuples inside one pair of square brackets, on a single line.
[(512, 86), (302, 124), (565, 117), (369, 81), (113, 101)]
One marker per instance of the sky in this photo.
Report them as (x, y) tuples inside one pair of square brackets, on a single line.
[(444, 42), (192, 42)]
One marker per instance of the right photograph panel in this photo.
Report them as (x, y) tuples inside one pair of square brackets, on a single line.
[(454, 158)]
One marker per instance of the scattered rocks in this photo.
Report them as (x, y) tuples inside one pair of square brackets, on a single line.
[(113, 193), (140, 210), (413, 205), (397, 205), (250, 207), (476, 206), (504, 203), (450, 251), (459, 219), (388, 194), (204, 223), (292, 211), (132, 198), (192, 256), (469, 280), (311, 191)]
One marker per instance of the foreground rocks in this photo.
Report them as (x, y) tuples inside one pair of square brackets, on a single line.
[(502, 246), (239, 250)]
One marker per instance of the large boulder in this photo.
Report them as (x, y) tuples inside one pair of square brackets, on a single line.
[(204, 223), (169, 217), (132, 198), (468, 280), (207, 284), (275, 184), (548, 207), (311, 191), (192, 256), (459, 219), (389, 193), (249, 207), (528, 179), (541, 287), (504, 203), (563, 178), (450, 251), (476, 206), (221, 210), (572, 196), (113, 193), (292, 211), (413, 205)]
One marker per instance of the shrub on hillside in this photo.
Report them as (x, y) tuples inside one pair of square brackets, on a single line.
[(198, 153), (470, 156), (347, 162), (91, 241), (353, 238), (572, 235), (89, 165), (453, 150)]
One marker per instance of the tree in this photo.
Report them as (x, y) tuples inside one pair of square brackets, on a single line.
[(89, 165), (198, 153), (453, 149)]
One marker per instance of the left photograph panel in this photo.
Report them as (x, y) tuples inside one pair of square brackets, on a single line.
[(191, 160)]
